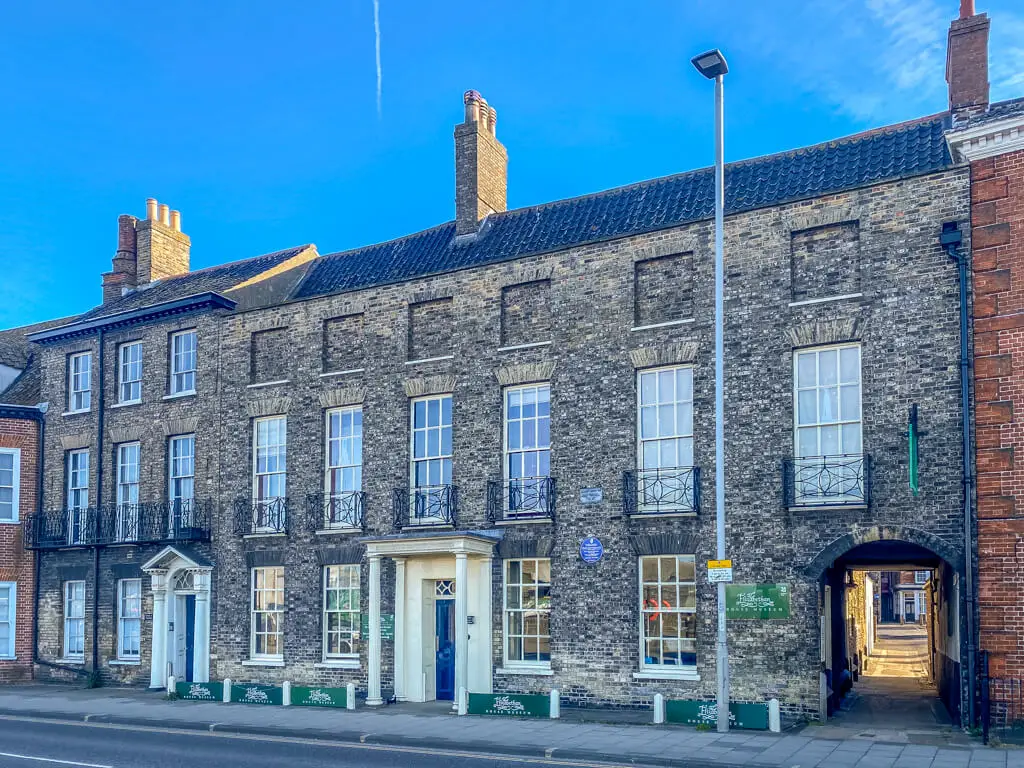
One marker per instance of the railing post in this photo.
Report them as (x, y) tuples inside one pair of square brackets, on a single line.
[(556, 704), (227, 690), (350, 696), (659, 709), (286, 693)]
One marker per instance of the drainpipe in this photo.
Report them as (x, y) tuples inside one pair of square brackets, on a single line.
[(951, 239), (101, 406)]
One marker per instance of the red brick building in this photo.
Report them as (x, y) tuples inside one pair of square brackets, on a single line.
[(990, 137)]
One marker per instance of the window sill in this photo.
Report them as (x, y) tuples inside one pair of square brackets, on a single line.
[(647, 515), (688, 675), (539, 671), (76, 413), (341, 373), (177, 395), (826, 299), (429, 527), (123, 663), (72, 662), (825, 507), (265, 535), (262, 384), (337, 531), (8, 658), (669, 324), (10, 522), (429, 359), (263, 663), (523, 520), (126, 404), (532, 345), (338, 664)]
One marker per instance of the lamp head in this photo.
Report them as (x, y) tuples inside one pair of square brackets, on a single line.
[(711, 64)]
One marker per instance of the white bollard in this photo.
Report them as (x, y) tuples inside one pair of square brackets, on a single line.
[(463, 700), (227, 690), (659, 709), (171, 687), (774, 716), (556, 704), (286, 694), (350, 696)]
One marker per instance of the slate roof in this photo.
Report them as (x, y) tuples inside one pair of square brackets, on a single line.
[(217, 279), (901, 151), (17, 352)]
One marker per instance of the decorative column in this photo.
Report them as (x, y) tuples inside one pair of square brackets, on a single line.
[(158, 655), (483, 621), (373, 698), (400, 628), (461, 623), (201, 651)]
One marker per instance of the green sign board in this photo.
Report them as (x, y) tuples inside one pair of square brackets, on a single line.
[(255, 694), (749, 716), (510, 704), (200, 691), (387, 626), (318, 697), (912, 450), (757, 601)]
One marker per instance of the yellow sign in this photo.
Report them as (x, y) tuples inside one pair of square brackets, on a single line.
[(719, 563)]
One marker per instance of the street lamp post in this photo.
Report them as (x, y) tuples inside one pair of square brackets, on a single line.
[(714, 67)]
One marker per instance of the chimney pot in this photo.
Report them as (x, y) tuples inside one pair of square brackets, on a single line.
[(492, 120), (151, 207), (165, 214), (967, 9), (481, 166), (176, 221)]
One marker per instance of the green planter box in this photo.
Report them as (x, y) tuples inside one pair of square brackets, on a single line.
[(200, 691), (749, 716), (255, 694), (509, 704), (303, 696)]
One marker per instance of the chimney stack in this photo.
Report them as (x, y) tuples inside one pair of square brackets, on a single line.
[(481, 166), (967, 63), (148, 249)]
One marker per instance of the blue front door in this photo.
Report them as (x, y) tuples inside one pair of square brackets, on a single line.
[(445, 615), (190, 637)]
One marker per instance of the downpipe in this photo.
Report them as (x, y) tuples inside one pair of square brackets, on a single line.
[(100, 452)]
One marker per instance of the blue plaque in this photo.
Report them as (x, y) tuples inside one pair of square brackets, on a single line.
[(591, 549)]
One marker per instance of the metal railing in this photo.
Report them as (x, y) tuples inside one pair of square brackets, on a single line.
[(521, 498), (260, 515), (665, 490), (425, 506), (827, 481), (336, 511), (141, 523)]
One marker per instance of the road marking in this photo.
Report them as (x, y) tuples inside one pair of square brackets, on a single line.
[(52, 760), (493, 757)]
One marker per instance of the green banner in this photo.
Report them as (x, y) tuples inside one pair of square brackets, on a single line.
[(749, 716), (757, 601), (510, 704), (200, 691), (255, 694), (318, 697), (387, 626)]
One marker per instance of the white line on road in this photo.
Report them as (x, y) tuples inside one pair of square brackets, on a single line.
[(52, 760)]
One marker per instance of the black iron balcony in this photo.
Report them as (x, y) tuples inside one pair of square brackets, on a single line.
[(433, 505), (145, 523), (661, 491), (256, 516), (827, 481), (342, 511), (521, 498)]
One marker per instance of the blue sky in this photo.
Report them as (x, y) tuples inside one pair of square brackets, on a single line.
[(259, 119)]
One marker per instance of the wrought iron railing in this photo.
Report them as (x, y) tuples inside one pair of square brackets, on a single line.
[(260, 515), (335, 511), (665, 490), (521, 498), (426, 505), (827, 481), (142, 523)]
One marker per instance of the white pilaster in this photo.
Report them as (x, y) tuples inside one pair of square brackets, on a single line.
[(373, 697), (461, 620), (400, 628), (483, 626), (158, 654), (201, 654)]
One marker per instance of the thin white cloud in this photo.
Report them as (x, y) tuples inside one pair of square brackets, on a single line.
[(1006, 70), (376, 34)]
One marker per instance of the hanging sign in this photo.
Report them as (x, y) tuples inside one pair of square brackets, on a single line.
[(719, 570), (591, 549), (757, 601)]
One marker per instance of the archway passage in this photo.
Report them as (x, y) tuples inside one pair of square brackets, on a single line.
[(890, 634)]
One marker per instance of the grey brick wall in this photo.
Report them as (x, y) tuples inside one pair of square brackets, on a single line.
[(826, 261)]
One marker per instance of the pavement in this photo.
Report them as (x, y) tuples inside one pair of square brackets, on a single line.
[(432, 727)]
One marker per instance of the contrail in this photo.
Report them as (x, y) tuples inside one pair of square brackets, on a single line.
[(376, 31)]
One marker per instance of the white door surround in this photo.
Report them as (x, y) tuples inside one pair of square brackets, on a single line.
[(420, 561), (175, 574)]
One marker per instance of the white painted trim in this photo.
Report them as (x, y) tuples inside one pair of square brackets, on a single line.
[(433, 545), (662, 515), (429, 359), (171, 372), (338, 660), (176, 395), (15, 454), (125, 404), (531, 345), (987, 140), (123, 663), (268, 384), (335, 531), (75, 413), (341, 373), (685, 675), (262, 662), (77, 661), (12, 617), (825, 507), (825, 299), (537, 671), (356, 665), (668, 324), (524, 521)]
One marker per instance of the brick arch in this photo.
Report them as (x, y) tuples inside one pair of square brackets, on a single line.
[(835, 549)]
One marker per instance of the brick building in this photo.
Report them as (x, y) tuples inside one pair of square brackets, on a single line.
[(476, 456)]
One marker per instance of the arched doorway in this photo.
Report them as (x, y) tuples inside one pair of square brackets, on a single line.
[(891, 644)]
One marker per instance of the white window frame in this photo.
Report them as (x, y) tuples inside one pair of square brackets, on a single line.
[(355, 614), (919, 574), (254, 612), (129, 620), (670, 479), (79, 382), (446, 460), (181, 502), (11, 619), (506, 612), (646, 610), (129, 373), (74, 616), (78, 495), (179, 361), (129, 464), (533, 489), (15, 454), (342, 497)]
